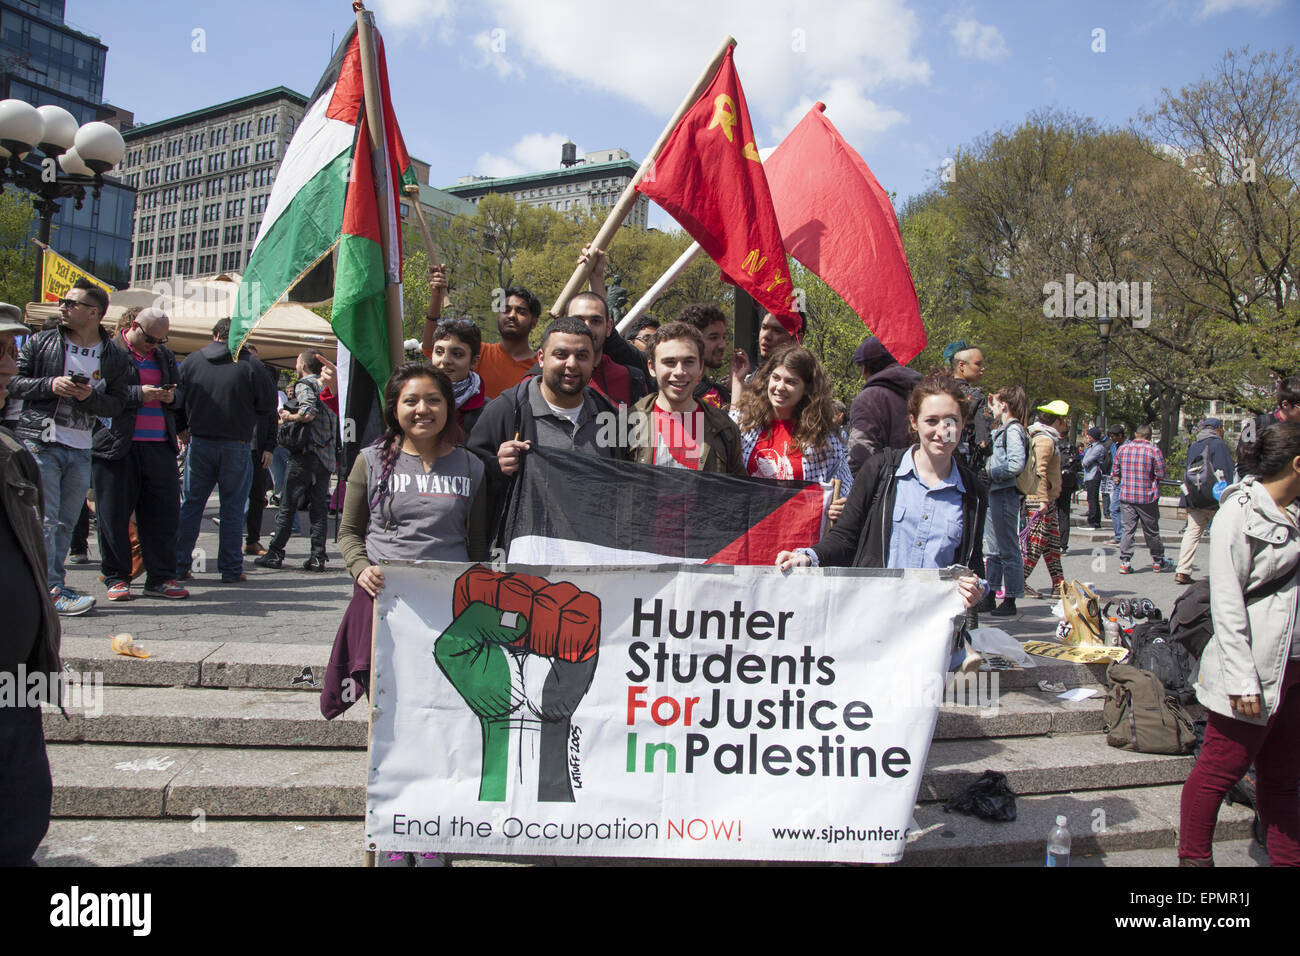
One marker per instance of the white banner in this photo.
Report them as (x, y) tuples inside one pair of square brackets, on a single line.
[(689, 712)]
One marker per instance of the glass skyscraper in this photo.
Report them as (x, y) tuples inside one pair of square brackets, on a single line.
[(43, 60)]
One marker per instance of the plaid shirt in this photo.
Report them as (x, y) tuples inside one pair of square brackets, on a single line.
[(819, 464), (1138, 468)]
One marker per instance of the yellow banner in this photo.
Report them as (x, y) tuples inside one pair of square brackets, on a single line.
[(1077, 654), (58, 275)]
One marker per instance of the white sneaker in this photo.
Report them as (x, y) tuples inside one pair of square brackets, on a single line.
[(68, 603)]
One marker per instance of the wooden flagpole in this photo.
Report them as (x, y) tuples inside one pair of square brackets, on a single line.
[(656, 290), (375, 125), (628, 199), (414, 192)]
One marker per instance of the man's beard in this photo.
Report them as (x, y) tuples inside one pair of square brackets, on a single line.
[(555, 382)]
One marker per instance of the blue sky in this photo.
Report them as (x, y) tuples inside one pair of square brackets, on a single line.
[(494, 86)]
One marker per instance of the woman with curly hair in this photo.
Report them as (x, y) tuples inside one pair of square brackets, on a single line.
[(787, 425)]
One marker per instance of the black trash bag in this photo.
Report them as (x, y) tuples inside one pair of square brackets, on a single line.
[(989, 797)]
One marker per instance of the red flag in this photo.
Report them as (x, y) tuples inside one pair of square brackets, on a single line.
[(709, 178), (838, 222)]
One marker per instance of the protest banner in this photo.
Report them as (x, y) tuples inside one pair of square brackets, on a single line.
[(702, 711), (58, 276)]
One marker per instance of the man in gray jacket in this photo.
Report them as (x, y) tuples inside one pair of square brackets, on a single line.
[(1209, 459)]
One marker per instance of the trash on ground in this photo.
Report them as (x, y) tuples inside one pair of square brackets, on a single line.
[(989, 798), (125, 645)]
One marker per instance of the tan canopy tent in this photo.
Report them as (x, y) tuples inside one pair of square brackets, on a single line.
[(195, 306)]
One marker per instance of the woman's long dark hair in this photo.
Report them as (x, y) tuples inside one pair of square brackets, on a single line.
[(814, 416), (390, 443), (1272, 451)]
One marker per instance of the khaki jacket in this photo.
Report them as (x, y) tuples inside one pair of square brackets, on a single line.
[(1251, 542), (718, 435), (1047, 464)]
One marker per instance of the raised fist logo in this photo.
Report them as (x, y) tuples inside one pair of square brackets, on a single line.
[(522, 652)]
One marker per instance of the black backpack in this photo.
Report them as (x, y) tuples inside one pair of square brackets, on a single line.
[(1071, 466), (1154, 650), (1107, 459), (1190, 624), (1198, 484)]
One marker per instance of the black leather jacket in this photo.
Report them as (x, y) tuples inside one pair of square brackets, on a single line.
[(113, 442), (42, 361)]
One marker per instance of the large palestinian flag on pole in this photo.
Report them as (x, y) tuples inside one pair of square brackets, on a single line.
[(643, 514), (325, 199)]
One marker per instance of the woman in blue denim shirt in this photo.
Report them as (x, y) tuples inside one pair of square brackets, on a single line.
[(916, 507)]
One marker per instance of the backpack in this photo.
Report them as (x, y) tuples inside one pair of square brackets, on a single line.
[(294, 436), (1198, 483), (1190, 624), (1139, 716), (1107, 459), (1082, 613), (1027, 480), (1071, 466), (1154, 650)]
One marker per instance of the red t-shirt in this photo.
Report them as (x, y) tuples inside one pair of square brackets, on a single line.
[(776, 454), (674, 446)]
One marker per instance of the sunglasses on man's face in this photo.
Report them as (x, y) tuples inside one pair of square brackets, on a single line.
[(149, 338), (70, 303)]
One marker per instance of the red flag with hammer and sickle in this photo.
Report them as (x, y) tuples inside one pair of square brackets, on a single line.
[(709, 178)]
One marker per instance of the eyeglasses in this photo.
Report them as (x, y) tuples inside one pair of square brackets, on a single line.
[(456, 324), (71, 303), (645, 338)]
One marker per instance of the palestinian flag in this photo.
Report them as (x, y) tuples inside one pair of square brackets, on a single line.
[(645, 514), (325, 200)]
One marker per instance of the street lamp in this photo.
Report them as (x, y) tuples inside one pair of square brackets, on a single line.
[(70, 159), (1103, 329)]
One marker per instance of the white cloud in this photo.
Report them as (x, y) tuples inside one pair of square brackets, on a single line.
[(848, 109), (1212, 8), (845, 54), (532, 153), (400, 19), (975, 40)]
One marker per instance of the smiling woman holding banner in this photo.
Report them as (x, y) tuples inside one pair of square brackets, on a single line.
[(914, 507)]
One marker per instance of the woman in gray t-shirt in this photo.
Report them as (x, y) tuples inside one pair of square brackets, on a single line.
[(416, 495)]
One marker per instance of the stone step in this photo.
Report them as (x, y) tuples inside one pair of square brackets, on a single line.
[(208, 716), (1019, 714), (117, 780), (1139, 841), (1046, 765), (112, 780), (287, 719), (202, 663), (1100, 821)]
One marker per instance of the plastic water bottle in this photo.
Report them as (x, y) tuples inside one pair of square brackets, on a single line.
[(1058, 844)]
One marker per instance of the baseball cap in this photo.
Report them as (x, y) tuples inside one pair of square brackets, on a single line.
[(871, 350), (11, 320), (1057, 407)]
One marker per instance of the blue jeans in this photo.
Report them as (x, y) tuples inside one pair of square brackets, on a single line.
[(1115, 513), (65, 479), (1003, 563), (228, 467), (279, 465)]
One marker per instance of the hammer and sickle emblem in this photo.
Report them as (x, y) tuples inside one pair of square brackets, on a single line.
[(724, 115)]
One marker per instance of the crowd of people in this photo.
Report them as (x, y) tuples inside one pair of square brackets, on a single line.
[(927, 471)]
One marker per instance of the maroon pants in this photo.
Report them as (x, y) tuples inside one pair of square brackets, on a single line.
[(1231, 746)]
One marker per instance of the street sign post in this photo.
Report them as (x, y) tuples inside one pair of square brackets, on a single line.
[(1101, 385)]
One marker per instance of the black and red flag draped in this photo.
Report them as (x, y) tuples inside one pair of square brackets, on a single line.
[(642, 514)]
